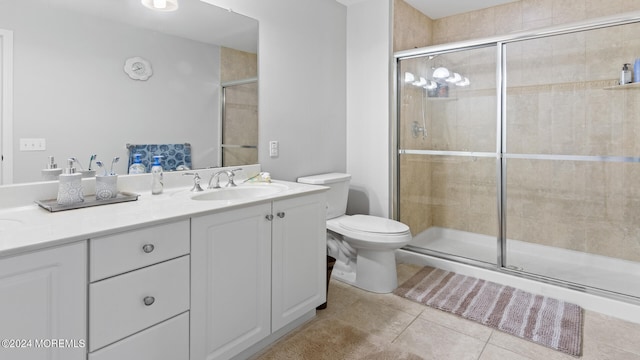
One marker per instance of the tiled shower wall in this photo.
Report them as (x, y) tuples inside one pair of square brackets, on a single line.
[(556, 104), (240, 126)]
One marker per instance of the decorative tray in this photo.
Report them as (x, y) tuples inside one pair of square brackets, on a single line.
[(53, 206)]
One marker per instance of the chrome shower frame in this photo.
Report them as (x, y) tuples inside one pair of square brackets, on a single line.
[(501, 156)]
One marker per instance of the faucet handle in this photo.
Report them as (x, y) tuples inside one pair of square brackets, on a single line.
[(216, 176), (196, 181), (232, 174)]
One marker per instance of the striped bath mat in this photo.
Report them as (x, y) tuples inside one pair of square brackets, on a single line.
[(542, 320)]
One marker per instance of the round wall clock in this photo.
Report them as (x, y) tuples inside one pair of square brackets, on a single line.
[(138, 68)]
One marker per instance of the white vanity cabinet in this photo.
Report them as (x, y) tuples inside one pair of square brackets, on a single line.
[(254, 269), (299, 258), (43, 299), (139, 294), (230, 281)]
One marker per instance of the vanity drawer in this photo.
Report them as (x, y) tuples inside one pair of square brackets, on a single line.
[(125, 304), (115, 254), (167, 340)]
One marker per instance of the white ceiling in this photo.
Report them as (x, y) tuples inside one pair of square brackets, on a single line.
[(436, 9)]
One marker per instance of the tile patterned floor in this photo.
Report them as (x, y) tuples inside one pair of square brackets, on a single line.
[(362, 325)]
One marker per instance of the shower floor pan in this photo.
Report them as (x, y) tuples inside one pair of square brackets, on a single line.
[(596, 271)]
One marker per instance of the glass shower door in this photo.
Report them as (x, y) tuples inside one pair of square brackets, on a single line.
[(240, 123), (572, 159), (448, 143)]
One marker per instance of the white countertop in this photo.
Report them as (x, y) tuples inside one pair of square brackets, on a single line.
[(30, 227)]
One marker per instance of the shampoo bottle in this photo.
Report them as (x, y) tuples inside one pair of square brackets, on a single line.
[(137, 167), (636, 71), (70, 186), (625, 75), (156, 176)]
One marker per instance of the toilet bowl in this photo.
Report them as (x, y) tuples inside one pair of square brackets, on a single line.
[(363, 245)]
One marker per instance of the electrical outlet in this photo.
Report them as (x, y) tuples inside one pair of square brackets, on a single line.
[(273, 148), (33, 145)]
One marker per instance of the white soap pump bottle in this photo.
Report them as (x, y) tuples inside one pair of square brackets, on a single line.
[(51, 172), (70, 186), (156, 176), (137, 167)]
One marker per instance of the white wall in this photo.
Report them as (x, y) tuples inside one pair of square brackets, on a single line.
[(368, 92), (302, 71), (70, 88)]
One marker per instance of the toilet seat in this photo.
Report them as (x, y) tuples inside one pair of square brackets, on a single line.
[(372, 224), (371, 230)]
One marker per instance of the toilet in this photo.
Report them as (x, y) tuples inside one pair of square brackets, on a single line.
[(362, 245)]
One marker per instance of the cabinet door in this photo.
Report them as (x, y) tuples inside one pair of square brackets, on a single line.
[(230, 281), (43, 298), (299, 257)]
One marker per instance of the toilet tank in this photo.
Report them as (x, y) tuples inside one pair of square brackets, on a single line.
[(338, 193)]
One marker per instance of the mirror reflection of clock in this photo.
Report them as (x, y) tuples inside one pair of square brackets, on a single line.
[(138, 68)]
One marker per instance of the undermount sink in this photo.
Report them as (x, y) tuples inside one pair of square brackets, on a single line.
[(8, 224), (243, 192)]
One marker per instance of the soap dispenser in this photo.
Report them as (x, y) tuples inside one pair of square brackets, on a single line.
[(70, 186), (137, 167), (51, 172), (156, 176)]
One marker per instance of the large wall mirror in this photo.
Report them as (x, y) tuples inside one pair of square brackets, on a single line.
[(71, 89)]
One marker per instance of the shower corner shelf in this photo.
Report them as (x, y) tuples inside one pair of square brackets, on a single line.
[(635, 85)]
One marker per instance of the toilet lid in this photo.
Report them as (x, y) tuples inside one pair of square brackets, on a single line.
[(373, 224)]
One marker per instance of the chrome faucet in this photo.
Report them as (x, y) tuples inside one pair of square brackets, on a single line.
[(196, 181), (216, 176)]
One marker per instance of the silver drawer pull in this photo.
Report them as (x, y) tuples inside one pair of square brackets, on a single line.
[(148, 248), (269, 217), (281, 214), (149, 300)]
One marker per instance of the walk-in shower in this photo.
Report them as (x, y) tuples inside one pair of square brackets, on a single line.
[(525, 157)]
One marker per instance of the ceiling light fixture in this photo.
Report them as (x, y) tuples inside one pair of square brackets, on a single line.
[(422, 82), (464, 82), (454, 78), (431, 85), (408, 77), (161, 5), (441, 73)]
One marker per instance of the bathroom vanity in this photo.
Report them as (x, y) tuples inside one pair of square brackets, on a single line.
[(163, 277)]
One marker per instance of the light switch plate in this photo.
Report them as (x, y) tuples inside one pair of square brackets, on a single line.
[(273, 148), (33, 145)]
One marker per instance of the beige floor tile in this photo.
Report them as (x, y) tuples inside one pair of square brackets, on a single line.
[(394, 301), (492, 352), (333, 339), (406, 271), (612, 332), (442, 344), (340, 296), (599, 351), (457, 323), (376, 318), (361, 325)]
